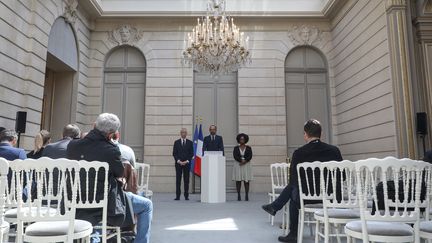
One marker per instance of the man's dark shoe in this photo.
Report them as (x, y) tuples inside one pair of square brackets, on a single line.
[(269, 209), (187, 198), (177, 198), (291, 237)]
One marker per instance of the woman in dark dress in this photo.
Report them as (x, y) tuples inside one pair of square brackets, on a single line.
[(242, 170), (42, 139)]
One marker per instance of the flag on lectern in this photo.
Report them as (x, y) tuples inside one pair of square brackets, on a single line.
[(198, 152)]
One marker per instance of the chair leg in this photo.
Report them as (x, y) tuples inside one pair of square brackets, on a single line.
[(316, 231), (337, 233), (301, 228), (326, 231), (118, 234)]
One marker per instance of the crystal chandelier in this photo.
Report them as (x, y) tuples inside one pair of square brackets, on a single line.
[(216, 44)]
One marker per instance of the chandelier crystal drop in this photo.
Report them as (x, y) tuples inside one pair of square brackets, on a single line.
[(216, 44)]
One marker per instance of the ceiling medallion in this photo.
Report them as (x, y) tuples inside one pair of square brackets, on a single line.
[(216, 44)]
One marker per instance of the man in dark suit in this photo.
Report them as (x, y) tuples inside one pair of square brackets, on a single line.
[(58, 149), (183, 153), (314, 150), (213, 142), (8, 140)]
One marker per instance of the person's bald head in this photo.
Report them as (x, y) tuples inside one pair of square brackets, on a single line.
[(213, 129), (183, 132)]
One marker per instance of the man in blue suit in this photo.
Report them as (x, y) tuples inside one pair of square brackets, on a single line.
[(213, 142), (8, 140)]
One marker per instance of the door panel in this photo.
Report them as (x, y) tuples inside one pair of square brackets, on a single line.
[(216, 102), (306, 94), (296, 108), (124, 95)]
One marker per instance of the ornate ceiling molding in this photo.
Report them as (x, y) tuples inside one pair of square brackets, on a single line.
[(395, 3), (70, 11), (125, 35), (428, 7), (304, 35)]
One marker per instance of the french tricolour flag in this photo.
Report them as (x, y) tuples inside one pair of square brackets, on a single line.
[(198, 152)]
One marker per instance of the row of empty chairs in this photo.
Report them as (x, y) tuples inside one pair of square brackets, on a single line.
[(373, 200), (41, 197)]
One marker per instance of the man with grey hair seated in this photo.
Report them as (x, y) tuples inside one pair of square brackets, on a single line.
[(97, 145), (8, 140), (57, 150)]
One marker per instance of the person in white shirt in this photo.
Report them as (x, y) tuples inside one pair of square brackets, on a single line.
[(127, 153)]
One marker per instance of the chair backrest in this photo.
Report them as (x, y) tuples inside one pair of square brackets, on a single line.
[(4, 169), (308, 174), (143, 173), (279, 175), (93, 178), (338, 184), (45, 204), (393, 185)]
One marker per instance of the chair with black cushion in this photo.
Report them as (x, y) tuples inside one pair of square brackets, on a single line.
[(4, 226), (340, 204), (49, 212), (399, 220)]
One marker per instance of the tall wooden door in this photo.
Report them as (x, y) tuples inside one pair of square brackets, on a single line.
[(306, 94), (215, 100), (124, 94)]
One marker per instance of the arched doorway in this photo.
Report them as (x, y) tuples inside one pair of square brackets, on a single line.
[(215, 101), (124, 94), (306, 92), (60, 88)]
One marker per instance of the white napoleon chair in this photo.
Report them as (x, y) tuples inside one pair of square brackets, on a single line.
[(426, 224), (94, 178), (50, 213), (391, 219), (143, 173), (279, 173), (308, 174), (4, 169), (340, 204)]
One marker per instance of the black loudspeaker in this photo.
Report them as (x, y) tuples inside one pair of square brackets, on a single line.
[(20, 122), (421, 123)]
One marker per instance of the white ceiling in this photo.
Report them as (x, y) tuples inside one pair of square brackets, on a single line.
[(198, 7)]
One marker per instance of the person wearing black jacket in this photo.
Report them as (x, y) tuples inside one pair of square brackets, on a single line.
[(98, 146), (183, 153), (242, 169), (213, 142), (314, 150)]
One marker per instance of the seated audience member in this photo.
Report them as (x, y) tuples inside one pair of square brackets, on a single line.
[(314, 150), (83, 134), (8, 140), (127, 153), (41, 140), (57, 150), (98, 146), (2, 129)]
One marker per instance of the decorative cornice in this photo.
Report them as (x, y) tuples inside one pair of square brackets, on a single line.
[(428, 7), (125, 35), (70, 11), (390, 4), (304, 35)]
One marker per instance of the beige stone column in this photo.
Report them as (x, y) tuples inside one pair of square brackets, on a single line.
[(401, 76)]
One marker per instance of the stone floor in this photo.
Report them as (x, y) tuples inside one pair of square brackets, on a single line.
[(230, 222)]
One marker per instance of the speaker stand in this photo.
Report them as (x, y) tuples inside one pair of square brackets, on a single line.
[(424, 144), (18, 140)]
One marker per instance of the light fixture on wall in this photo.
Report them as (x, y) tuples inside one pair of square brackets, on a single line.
[(216, 44)]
